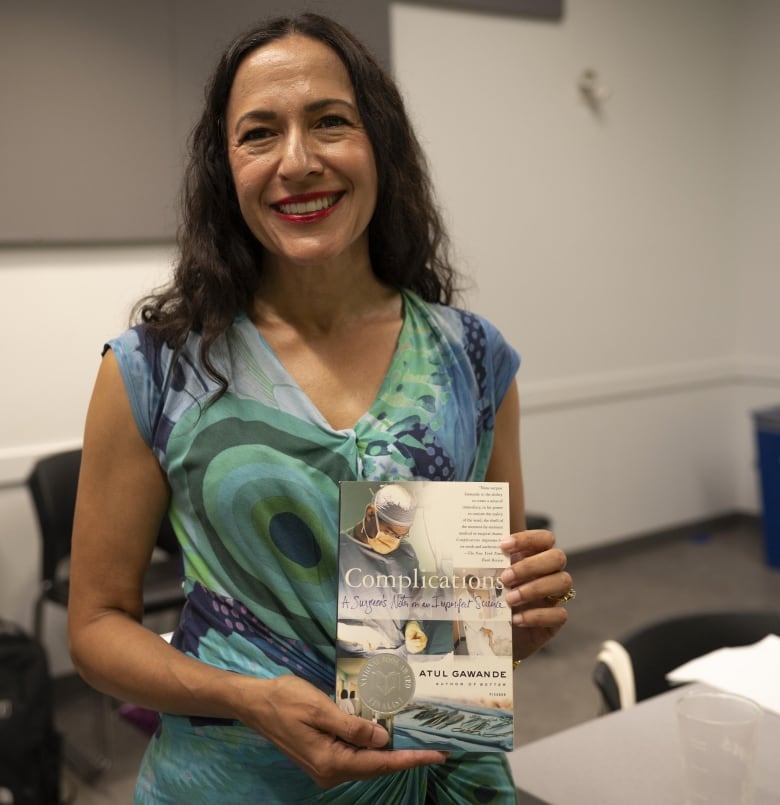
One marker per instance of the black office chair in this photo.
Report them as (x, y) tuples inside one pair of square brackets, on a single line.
[(634, 667), (52, 484)]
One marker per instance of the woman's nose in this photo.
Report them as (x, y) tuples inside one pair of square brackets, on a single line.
[(299, 157)]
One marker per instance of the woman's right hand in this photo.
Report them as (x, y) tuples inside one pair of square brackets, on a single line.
[(331, 746)]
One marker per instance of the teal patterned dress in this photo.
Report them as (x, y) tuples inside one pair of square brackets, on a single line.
[(254, 482)]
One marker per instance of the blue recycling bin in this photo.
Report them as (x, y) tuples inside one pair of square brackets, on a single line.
[(767, 425)]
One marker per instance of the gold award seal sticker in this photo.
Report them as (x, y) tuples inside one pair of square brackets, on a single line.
[(386, 683)]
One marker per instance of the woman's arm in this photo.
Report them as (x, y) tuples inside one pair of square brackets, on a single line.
[(122, 497), (537, 567)]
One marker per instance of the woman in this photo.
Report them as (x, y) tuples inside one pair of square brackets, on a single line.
[(305, 339)]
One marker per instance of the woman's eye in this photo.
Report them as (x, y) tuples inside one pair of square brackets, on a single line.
[(256, 134), (332, 121)]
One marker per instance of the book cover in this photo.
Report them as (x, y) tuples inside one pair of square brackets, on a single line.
[(424, 638)]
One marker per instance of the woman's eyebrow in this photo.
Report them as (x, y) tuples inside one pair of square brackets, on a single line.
[(268, 116), (316, 106), (255, 116)]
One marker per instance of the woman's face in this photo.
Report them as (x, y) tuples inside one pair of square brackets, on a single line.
[(302, 163)]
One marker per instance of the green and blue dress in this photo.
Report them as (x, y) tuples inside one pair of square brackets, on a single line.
[(254, 480)]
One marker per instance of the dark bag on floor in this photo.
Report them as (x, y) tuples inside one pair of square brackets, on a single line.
[(29, 745)]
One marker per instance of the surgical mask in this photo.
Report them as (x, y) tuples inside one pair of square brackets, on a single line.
[(383, 542)]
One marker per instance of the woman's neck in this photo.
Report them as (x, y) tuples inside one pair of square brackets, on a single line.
[(319, 299)]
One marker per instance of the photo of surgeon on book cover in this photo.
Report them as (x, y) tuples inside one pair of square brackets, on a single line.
[(424, 641)]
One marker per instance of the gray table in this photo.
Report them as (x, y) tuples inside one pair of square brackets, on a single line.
[(630, 756)]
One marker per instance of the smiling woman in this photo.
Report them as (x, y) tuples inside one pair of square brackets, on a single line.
[(306, 338), (300, 156)]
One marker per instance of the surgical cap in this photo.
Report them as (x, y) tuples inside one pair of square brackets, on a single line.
[(395, 505)]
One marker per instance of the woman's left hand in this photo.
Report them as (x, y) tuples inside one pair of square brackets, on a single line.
[(534, 582)]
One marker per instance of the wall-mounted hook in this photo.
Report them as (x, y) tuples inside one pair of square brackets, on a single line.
[(592, 89)]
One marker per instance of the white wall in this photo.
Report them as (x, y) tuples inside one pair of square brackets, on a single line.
[(57, 309), (629, 257), (756, 215), (626, 253)]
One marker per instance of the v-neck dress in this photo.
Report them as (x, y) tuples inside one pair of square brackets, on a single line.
[(254, 481)]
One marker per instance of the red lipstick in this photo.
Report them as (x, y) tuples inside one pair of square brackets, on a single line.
[(307, 207)]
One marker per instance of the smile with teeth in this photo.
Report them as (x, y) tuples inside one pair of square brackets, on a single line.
[(308, 207)]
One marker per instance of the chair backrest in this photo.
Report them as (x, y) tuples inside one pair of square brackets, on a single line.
[(53, 483), (613, 675), (661, 646)]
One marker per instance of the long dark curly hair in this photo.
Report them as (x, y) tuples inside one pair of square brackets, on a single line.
[(220, 260)]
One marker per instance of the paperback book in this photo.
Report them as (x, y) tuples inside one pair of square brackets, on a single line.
[(424, 637)]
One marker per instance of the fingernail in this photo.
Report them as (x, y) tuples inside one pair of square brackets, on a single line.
[(518, 619), (513, 597), (379, 737), (507, 544), (508, 576)]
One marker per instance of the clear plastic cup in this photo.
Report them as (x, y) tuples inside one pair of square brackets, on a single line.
[(718, 740)]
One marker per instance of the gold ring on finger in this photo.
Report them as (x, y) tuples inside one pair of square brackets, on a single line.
[(562, 599)]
